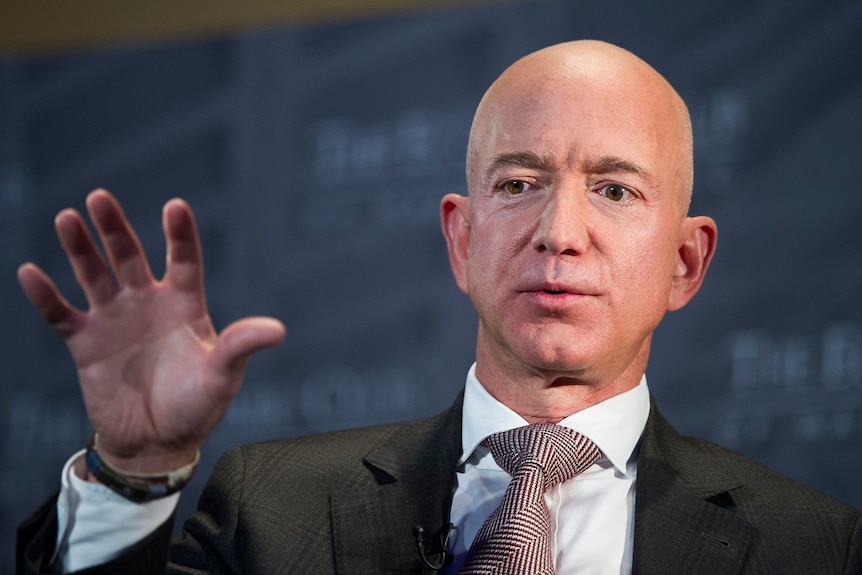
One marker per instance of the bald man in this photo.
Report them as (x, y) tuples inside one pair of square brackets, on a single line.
[(573, 242)]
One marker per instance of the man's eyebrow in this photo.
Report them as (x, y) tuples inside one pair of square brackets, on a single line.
[(528, 159), (613, 164), (532, 160)]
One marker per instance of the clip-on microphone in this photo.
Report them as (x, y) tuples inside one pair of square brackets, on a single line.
[(438, 548)]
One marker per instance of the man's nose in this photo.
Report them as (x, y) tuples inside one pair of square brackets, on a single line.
[(563, 226)]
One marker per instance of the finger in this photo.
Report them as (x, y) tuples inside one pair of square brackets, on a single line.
[(120, 241), (45, 297), (90, 269), (242, 338), (184, 257)]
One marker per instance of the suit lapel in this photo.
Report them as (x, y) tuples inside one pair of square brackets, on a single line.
[(684, 517), (409, 482)]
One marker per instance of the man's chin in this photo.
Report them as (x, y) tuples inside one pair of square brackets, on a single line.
[(567, 367)]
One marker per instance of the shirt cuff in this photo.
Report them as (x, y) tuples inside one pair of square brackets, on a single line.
[(96, 525)]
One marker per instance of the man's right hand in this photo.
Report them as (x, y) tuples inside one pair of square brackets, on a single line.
[(155, 375)]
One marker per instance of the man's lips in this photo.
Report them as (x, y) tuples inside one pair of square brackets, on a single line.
[(557, 297), (555, 288)]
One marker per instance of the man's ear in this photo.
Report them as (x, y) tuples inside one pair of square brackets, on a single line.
[(698, 237), (455, 221)]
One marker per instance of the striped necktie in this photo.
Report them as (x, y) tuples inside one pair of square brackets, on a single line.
[(515, 537)]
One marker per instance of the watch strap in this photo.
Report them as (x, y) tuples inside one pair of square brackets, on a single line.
[(136, 486)]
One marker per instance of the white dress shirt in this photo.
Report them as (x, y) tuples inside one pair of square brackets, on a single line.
[(592, 514), (95, 524)]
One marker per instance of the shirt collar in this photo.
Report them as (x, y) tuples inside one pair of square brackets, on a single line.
[(615, 425)]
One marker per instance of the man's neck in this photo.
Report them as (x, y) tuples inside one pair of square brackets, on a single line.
[(548, 396)]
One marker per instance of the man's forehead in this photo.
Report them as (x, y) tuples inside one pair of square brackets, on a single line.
[(564, 119)]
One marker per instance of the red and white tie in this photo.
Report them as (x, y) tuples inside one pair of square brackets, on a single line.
[(515, 537)]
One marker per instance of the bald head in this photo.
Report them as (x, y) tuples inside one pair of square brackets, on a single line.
[(584, 78)]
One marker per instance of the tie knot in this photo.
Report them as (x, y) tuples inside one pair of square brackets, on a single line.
[(557, 452)]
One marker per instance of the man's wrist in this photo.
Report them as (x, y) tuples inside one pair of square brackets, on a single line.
[(135, 486)]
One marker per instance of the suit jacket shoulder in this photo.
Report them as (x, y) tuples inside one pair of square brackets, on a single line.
[(704, 509), (344, 502)]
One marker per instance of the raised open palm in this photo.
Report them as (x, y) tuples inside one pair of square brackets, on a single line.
[(155, 375)]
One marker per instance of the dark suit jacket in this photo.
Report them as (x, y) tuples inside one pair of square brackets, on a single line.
[(348, 502)]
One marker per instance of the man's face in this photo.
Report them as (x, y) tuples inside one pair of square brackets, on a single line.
[(573, 226)]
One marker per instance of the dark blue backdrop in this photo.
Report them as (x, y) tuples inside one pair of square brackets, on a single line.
[(315, 156)]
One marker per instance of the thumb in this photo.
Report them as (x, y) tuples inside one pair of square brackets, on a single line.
[(242, 338)]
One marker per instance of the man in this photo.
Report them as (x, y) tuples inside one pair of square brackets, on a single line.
[(572, 243)]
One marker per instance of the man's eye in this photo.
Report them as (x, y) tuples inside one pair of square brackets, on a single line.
[(515, 187), (614, 192)]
